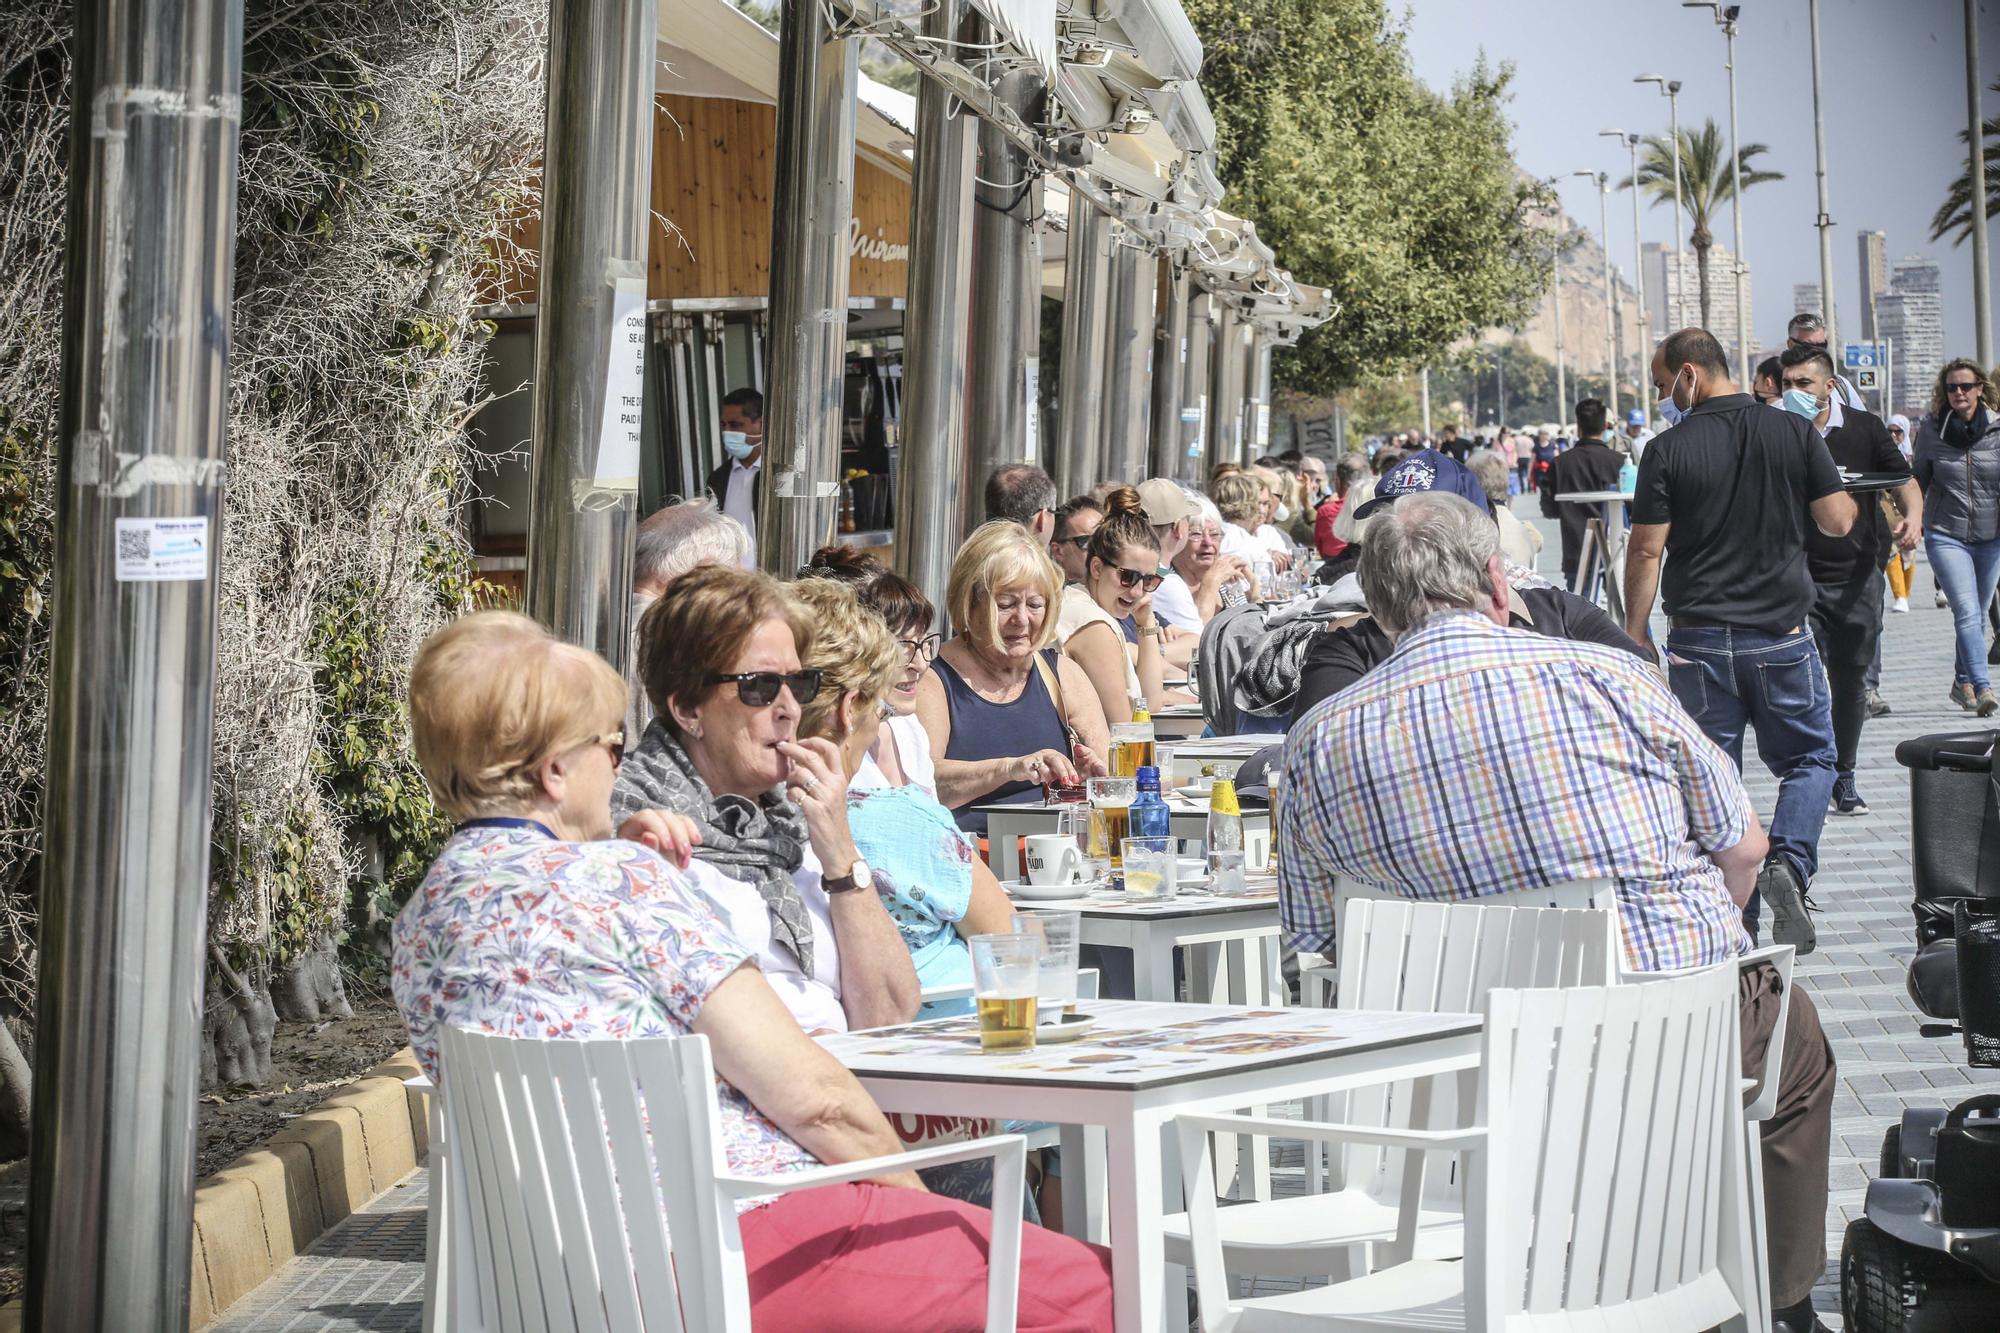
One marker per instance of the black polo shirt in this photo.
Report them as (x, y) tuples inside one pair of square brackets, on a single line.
[(1735, 479), (1860, 443)]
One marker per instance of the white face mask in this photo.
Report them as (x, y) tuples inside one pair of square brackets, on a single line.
[(1281, 513)]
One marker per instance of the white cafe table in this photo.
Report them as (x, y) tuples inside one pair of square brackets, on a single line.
[(1176, 722), (1613, 556), (1006, 825), (1153, 930), (1139, 1067)]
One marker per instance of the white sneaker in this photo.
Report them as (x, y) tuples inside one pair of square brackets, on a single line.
[(1900, 604), (1942, 600)]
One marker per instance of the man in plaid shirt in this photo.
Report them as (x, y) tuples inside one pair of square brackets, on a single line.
[(1480, 759)]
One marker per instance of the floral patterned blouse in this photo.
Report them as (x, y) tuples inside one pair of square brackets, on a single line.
[(516, 932)]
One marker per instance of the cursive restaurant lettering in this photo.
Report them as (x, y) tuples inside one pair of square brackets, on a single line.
[(875, 247)]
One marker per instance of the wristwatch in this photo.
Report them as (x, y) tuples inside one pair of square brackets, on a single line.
[(858, 876), (1151, 631)]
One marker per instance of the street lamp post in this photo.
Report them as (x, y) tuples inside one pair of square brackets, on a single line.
[(1562, 384), (1645, 348), (1610, 324), (1725, 18), (1982, 292), (1671, 89), (1825, 221)]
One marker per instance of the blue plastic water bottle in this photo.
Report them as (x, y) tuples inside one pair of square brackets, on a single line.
[(1150, 816)]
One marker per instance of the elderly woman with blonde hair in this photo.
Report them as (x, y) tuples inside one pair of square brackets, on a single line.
[(534, 923), (1006, 711)]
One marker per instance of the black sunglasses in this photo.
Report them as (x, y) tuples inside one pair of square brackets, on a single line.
[(1079, 542), (759, 689), (1132, 578), (1965, 386)]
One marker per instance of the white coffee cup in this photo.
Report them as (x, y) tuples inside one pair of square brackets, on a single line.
[(1053, 858)]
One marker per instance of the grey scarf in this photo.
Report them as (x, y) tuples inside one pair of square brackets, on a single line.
[(760, 842)]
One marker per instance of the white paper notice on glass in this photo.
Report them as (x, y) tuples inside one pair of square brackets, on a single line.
[(162, 550), (1034, 395), (1263, 424), (624, 389)]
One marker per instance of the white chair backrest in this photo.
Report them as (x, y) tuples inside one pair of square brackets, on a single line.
[(1608, 1111), (1591, 893), (565, 1196)]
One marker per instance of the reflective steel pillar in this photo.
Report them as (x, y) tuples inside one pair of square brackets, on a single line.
[(1170, 351), (1128, 345), (933, 491), (1225, 433), (1006, 294), (125, 870), (1257, 411), (812, 202), (1078, 456), (1196, 383), (590, 334)]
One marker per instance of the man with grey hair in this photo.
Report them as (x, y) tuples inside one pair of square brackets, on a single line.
[(1480, 759), (1808, 332), (1518, 542), (678, 537)]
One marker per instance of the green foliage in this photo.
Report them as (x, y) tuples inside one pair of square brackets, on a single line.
[(1708, 181), (1406, 203), (1954, 215)]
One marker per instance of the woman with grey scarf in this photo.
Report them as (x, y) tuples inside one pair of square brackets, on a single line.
[(719, 659)]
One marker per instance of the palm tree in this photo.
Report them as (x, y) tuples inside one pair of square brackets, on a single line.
[(1955, 215), (1706, 184)]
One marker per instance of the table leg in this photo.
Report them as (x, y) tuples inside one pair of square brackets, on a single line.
[(1138, 1259), (1153, 968), (1083, 1182)]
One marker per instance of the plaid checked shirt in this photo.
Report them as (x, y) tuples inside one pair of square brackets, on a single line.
[(1481, 760)]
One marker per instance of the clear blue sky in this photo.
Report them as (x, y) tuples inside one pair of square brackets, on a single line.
[(1894, 74)]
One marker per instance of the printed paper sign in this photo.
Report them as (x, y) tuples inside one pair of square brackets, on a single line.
[(624, 389), (162, 550), (1034, 395)]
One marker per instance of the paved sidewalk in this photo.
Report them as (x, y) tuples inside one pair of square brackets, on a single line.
[(367, 1273)]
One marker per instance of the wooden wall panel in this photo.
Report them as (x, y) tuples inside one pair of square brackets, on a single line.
[(713, 167)]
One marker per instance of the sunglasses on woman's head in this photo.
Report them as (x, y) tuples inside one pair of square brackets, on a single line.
[(613, 741), (759, 689), (1132, 578)]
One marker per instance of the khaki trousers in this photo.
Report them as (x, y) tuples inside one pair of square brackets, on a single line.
[(1796, 1137)]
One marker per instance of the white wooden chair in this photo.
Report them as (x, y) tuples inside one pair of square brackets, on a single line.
[(1595, 1184), (1411, 957), (1317, 981), (567, 1163)]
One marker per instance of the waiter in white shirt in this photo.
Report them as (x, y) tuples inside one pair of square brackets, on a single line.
[(736, 484)]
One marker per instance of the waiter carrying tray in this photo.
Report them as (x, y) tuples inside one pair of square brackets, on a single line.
[(1728, 496)]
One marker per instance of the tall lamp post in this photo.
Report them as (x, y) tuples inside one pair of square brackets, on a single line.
[(1825, 220), (1562, 384), (1610, 322), (1982, 290), (1725, 18), (1645, 348), (1671, 89)]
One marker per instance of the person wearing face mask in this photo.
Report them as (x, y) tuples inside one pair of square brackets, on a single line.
[(1726, 498), (1901, 569), (1766, 386), (737, 483), (1807, 332), (1847, 598)]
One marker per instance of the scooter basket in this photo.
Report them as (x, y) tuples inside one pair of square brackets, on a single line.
[(1968, 1164), (1978, 938)]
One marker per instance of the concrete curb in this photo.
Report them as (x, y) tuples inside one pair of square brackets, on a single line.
[(254, 1215)]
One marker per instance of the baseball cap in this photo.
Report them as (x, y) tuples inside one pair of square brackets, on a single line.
[(1425, 470), (1635, 417), (1164, 502)]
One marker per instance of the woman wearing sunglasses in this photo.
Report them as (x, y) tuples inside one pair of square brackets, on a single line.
[(1120, 577), (1957, 462), (719, 655)]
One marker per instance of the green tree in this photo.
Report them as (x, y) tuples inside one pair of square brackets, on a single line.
[(1405, 202), (1707, 183), (1954, 216)]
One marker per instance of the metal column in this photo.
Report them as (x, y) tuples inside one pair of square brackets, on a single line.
[(1006, 293), (1982, 264), (1078, 456), (125, 871), (1196, 382), (812, 203), (1170, 359), (590, 332), (932, 492), (1128, 346), (1257, 410), (1225, 397)]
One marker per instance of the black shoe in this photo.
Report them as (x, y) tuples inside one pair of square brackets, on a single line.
[(1877, 705), (1797, 1319), (1785, 899), (1846, 800)]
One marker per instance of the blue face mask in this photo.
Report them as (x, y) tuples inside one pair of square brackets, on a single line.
[(1801, 402), (736, 444), (1671, 410)]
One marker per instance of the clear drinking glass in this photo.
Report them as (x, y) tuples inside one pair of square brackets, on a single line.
[(1225, 873), (1060, 935), (1006, 972), (1131, 748), (1111, 804), (1150, 867), (1165, 754)]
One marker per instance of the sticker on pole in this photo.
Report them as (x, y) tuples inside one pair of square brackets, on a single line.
[(618, 441), (162, 550)]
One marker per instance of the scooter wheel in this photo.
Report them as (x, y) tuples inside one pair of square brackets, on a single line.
[(1892, 1154), (1884, 1281)]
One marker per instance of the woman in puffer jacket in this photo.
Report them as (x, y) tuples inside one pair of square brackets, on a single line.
[(1957, 463)]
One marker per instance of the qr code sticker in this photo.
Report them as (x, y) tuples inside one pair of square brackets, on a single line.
[(162, 550), (135, 543)]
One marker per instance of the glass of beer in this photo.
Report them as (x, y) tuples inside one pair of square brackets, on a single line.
[(1006, 973), (1131, 748), (1111, 807), (1059, 934)]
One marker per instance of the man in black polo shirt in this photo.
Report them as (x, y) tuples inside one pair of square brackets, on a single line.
[(1847, 604), (1728, 494), (1591, 466)]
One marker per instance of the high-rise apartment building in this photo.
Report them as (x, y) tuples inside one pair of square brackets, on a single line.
[(1910, 316), (1874, 246), (1673, 298), (1805, 299)]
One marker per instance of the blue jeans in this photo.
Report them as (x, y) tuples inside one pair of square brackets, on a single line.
[(1967, 571), (1729, 678)]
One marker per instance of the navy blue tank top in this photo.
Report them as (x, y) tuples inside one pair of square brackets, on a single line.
[(983, 730)]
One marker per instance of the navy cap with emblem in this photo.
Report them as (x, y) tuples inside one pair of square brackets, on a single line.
[(1425, 470)]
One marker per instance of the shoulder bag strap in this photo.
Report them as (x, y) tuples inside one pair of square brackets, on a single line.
[(1052, 682)]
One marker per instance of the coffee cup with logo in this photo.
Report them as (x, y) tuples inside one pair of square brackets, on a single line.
[(1052, 859)]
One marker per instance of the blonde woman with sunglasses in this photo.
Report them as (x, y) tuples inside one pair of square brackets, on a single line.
[(1957, 462)]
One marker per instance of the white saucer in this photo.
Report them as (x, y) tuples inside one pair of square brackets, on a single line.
[(1050, 893), (1069, 1028)]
